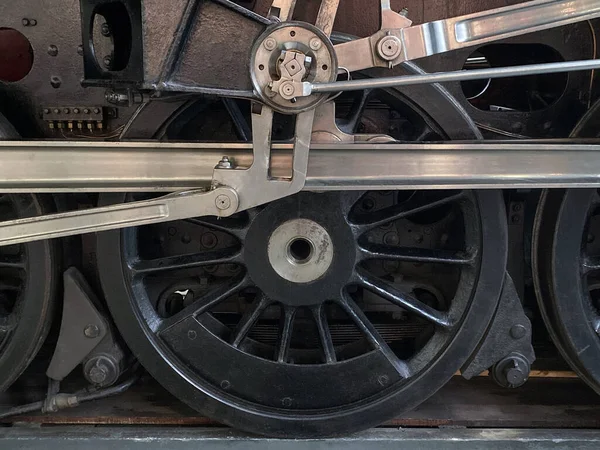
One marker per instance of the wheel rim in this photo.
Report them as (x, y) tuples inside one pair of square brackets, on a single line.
[(199, 353), (566, 269), (27, 291)]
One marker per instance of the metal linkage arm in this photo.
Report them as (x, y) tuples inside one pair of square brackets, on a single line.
[(397, 41), (220, 202), (256, 184)]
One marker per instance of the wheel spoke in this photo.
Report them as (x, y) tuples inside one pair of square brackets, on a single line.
[(205, 302), (285, 334), (251, 315), (7, 324), (148, 266), (348, 199), (412, 206), (242, 128), (324, 333), (415, 254), (350, 123), (11, 263), (590, 264), (403, 300), (372, 335), (596, 324), (227, 225), (13, 285)]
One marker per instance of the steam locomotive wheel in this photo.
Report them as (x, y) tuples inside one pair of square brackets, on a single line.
[(28, 282), (566, 248), (566, 245), (315, 315)]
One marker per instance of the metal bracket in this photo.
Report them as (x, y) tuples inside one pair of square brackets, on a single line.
[(406, 43), (256, 184), (85, 337), (325, 129), (507, 340), (82, 327)]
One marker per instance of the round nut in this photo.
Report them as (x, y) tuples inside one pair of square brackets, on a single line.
[(389, 48), (287, 90), (315, 44), (270, 44), (518, 331), (97, 375), (223, 202)]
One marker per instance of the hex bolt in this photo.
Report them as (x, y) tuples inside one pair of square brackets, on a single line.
[(286, 401), (107, 61), (225, 163), (223, 202), (91, 331), (80, 50), (53, 50), (25, 22), (315, 44), (33, 22), (270, 44)]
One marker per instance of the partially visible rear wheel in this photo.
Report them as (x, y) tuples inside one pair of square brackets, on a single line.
[(28, 283)]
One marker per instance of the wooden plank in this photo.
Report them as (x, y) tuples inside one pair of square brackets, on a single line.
[(541, 403)]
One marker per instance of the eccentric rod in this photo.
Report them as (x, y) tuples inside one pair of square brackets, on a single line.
[(443, 77)]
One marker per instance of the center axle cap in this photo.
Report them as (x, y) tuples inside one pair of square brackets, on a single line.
[(300, 250)]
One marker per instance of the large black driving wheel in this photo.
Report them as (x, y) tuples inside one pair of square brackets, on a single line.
[(566, 263), (28, 283), (316, 315)]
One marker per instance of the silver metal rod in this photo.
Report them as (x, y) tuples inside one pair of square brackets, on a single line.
[(459, 75), (492, 25), (52, 166), (163, 209)]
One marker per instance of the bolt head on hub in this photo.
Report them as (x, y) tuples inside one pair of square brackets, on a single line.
[(389, 48), (223, 202)]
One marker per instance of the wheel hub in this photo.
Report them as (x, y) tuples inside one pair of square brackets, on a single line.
[(300, 250), (310, 251)]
